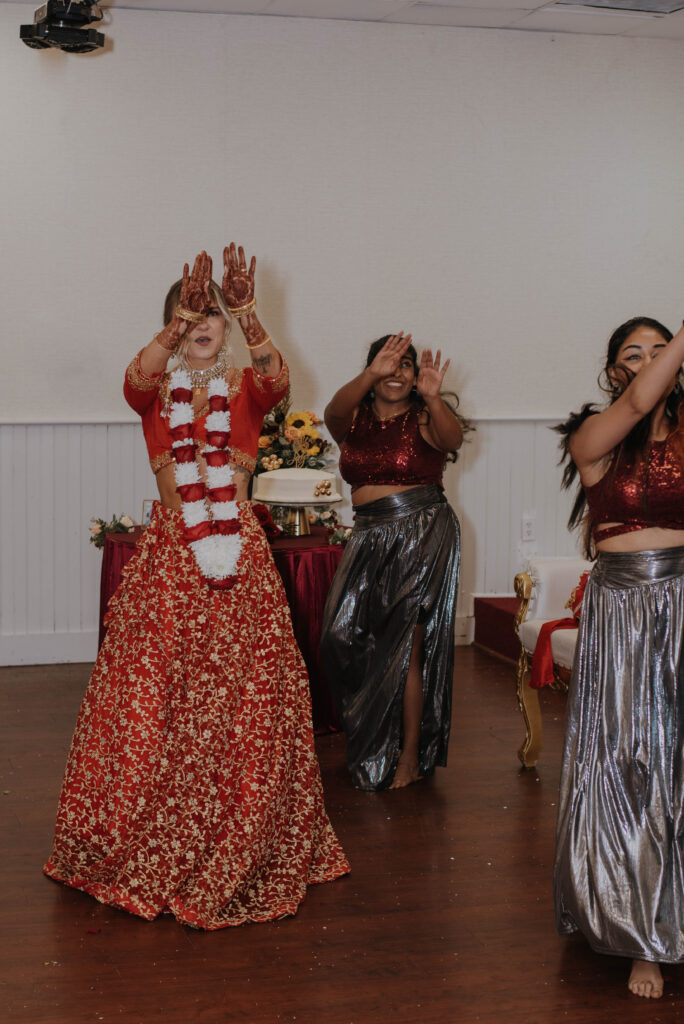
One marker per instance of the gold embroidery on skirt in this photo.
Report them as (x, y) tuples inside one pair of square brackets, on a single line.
[(192, 783)]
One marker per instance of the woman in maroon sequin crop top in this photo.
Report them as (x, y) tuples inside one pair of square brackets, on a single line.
[(387, 639), (619, 869), (393, 427), (629, 457)]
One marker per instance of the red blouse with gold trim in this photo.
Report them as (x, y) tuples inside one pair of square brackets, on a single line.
[(250, 396)]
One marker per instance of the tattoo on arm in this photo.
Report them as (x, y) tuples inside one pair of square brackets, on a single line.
[(239, 473), (262, 363)]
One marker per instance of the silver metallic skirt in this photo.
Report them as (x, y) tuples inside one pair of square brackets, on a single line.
[(399, 570), (619, 867)]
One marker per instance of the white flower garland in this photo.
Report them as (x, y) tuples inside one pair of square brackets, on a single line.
[(210, 515)]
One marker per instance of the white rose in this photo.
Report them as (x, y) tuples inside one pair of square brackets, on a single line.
[(126, 521)]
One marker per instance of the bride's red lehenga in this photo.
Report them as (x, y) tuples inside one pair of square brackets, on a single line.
[(192, 785)]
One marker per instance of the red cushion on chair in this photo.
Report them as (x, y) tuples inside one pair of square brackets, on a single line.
[(542, 659)]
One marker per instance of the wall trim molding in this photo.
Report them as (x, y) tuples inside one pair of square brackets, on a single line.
[(49, 648)]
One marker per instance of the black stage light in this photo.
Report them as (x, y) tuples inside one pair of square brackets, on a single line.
[(59, 23)]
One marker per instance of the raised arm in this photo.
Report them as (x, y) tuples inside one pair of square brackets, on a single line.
[(599, 434), (195, 300), (341, 409), (443, 426), (238, 291)]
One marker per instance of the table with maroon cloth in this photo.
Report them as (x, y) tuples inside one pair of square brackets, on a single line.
[(306, 565)]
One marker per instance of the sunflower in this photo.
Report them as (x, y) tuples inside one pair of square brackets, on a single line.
[(301, 420)]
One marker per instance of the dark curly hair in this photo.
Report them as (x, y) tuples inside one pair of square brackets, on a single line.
[(613, 380)]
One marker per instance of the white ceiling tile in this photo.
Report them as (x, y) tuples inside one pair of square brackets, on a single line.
[(243, 6), (671, 27), (465, 17), (192, 6), (524, 15), (576, 19), (484, 5), (349, 10)]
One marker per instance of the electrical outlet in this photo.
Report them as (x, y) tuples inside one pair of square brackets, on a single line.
[(528, 531)]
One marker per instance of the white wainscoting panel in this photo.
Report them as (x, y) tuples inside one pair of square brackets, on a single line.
[(53, 479), (508, 470)]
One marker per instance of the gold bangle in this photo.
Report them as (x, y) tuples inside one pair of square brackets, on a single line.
[(260, 345), (163, 347), (189, 315), (249, 307)]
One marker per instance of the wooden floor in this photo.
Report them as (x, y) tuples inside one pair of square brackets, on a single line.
[(445, 919)]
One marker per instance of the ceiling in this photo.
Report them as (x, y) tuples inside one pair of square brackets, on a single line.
[(562, 16)]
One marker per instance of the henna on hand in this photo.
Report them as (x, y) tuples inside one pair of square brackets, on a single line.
[(253, 330), (195, 292), (238, 282), (169, 338)]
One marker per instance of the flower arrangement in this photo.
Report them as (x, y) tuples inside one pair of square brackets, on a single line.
[(324, 515), (291, 439), (328, 517), (100, 527), (341, 535)]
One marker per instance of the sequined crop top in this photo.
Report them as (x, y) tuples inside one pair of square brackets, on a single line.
[(650, 493), (389, 451)]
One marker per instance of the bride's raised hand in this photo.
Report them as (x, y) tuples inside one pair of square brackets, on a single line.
[(194, 302), (195, 294), (388, 358), (238, 281)]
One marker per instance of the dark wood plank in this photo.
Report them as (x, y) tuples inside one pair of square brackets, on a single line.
[(446, 917)]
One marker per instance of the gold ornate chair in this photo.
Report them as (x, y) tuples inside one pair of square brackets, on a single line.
[(543, 591)]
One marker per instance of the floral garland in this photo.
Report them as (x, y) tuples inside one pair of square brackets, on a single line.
[(210, 514)]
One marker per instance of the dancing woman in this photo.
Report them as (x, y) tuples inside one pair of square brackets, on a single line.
[(192, 785), (619, 867), (388, 631)]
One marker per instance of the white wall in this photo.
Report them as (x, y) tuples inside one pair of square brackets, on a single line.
[(507, 196)]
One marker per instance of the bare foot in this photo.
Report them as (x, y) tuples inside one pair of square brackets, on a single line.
[(645, 980), (406, 773)]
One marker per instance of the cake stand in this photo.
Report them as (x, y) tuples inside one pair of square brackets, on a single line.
[(293, 517)]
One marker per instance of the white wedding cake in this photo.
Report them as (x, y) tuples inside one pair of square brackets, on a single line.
[(295, 487)]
